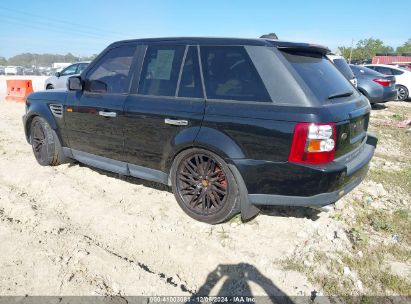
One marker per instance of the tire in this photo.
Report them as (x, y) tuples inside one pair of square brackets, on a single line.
[(45, 143), (402, 93), (49, 87), (204, 186)]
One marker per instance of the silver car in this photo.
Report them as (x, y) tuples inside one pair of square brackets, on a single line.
[(59, 80)]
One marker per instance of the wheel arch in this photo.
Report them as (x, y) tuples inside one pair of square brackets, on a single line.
[(36, 110), (205, 138), (217, 142)]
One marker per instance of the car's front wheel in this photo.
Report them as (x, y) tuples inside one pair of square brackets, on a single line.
[(402, 93), (204, 186), (45, 143)]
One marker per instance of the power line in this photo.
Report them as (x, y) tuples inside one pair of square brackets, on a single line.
[(90, 29), (60, 30)]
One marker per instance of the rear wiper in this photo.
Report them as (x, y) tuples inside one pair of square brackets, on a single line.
[(337, 95)]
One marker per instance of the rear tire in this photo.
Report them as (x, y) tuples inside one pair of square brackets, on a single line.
[(402, 93), (45, 143), (204, 186)]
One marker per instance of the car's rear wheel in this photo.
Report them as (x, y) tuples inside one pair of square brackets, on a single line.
[(402, 93), (204, 186), (49, 87), (45, 143)]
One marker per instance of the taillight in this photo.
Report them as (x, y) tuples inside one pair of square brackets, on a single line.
[(383, 82), (313, 143)]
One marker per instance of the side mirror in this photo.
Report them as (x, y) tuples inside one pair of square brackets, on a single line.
[(96, 86), (57, 74), (74, 84)]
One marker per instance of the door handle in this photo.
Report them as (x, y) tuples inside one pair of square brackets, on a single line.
[(175, 122), (107, 114)]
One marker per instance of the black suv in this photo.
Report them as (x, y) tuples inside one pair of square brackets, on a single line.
[(230, 124)]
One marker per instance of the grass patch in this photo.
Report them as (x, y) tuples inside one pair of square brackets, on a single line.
[(291, 264), (404, 112), (401, 178), (398, 116), (370, 269), (397, 134), (369, 257)]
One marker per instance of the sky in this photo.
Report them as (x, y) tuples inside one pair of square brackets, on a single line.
[(86, 27)]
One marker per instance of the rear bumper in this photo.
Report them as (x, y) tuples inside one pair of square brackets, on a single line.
[(291, 184), (388, 94)]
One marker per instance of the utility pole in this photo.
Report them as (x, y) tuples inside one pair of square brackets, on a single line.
[(352, 45)]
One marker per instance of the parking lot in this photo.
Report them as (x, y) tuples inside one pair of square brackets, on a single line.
[(75, 230)]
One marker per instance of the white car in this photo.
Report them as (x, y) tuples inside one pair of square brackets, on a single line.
[(59, 80), (343, 67), (13, 70), (402, 78)]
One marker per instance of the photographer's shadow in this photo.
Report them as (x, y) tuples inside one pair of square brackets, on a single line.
[(236, 281)]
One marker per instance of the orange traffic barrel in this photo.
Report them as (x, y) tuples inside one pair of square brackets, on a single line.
[(18, 90)]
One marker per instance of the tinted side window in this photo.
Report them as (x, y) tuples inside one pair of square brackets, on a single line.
[(190, 82), (384, 70), (230, 74), (161, 69), (343, 67), (70, 70), (112, 72), (396, 72)]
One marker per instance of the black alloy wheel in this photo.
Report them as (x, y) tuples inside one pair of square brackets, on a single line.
[(204, 186), (45, 143), (38, 141)]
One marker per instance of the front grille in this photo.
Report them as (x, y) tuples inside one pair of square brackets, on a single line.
[(57, 110)]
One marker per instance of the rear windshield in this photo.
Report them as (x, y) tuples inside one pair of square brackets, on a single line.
[(361, 70), (319, 74), (342, 65)]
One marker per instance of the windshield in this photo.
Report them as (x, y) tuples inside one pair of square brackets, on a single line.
[(319, 74)]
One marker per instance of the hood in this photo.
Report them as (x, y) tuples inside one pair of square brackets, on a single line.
[(52, 95)]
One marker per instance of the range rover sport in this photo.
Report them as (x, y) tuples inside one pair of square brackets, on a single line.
[(230, 124)]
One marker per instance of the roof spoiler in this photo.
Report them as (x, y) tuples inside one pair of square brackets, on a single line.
[(270, 36), (313, 48)]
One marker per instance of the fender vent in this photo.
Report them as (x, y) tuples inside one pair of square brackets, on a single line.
[(57, 110)]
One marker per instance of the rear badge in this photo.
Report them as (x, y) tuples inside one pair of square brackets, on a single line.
[(344, 136)]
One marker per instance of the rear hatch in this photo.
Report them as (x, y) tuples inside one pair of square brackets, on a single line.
[(334, 94)]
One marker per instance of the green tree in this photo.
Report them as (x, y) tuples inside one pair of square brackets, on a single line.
[(3, 61), (367, 48), (405, 48), (29, 59), (345, 52)]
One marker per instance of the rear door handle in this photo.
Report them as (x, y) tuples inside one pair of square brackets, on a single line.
[(107, 114), (175, 122)]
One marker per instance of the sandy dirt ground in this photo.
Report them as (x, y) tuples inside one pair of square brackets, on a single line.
[(75, 230)]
